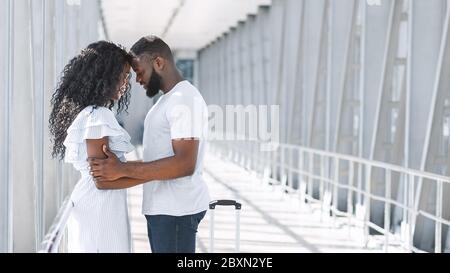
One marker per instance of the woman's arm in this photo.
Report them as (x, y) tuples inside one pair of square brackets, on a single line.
[(94, 147), (95, 150)]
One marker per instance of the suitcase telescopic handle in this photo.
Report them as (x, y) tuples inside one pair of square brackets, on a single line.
[(212, 207), (213, 204)]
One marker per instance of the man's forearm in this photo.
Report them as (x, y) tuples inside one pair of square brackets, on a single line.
[(122, 183), (162, 169)]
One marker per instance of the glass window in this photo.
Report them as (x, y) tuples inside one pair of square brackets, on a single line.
[(186, 67), (5, 79)]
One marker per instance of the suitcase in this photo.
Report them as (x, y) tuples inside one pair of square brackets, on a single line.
[(212, 207)]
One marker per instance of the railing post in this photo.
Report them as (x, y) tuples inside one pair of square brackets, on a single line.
[(404, 226), (311, 172), (232, 153), (335, 186), (438, 227), (254, 157), (227, 149), (251, 155), (283, 176), (239, 153), (269, 164), (290, 166), (301, 181), (259, 152), (359, 200), (267, 167), (351, 177), (321, 188), (247, 155), (387, 209), (411, 213), (367, 201), (274, 162)]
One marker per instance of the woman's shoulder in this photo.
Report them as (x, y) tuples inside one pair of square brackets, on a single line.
[(93, 110), (98, 113), (94, 115)]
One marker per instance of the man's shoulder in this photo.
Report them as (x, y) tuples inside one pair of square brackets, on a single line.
[(187, 89), (186, 94)]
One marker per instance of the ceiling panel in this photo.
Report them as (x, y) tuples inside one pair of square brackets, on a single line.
[(183, 24)]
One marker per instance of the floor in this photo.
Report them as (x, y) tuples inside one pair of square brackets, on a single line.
[(270, 221)]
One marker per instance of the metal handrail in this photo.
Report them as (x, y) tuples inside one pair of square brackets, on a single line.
[(52, 239), (308, 176)]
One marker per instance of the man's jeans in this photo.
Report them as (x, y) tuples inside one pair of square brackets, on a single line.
[(173, 234)]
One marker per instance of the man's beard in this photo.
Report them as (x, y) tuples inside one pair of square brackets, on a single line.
[(154, 85)]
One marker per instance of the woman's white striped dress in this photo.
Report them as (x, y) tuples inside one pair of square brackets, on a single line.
[(99, 221)]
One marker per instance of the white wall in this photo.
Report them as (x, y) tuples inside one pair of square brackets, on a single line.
[(45, 34)]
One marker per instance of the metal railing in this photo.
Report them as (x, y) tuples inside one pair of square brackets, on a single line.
[(54, 237), (317, 177)]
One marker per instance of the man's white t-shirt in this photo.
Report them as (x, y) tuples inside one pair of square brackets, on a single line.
[(181, 113)]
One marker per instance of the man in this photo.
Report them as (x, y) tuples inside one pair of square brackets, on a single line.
[(176, 198)]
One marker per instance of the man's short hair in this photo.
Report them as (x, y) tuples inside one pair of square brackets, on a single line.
[(152, 46)]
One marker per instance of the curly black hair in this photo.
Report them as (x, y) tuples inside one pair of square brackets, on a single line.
[(90, 78)]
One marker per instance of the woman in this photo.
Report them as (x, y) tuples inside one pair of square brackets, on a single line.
[(81, 122)]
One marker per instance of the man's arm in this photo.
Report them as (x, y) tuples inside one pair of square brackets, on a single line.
[(135, 161), (121, 183), (181, 164)]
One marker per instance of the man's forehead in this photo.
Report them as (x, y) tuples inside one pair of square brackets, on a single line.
[(136, 64), (141, 60), (136, 60)]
